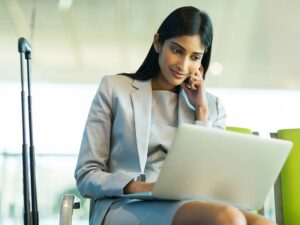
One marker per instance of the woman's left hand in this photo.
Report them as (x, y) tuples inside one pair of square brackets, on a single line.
[(138, 186), (195, 92)]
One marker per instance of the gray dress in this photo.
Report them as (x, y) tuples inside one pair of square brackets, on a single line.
[(164, 121)]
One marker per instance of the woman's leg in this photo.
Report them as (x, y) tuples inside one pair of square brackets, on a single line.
[(255, 219), (203, 213)]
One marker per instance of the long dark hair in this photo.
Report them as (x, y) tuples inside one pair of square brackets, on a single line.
[(182, 21)]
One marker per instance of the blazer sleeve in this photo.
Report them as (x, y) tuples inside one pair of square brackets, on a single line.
[(219, 121), (91, 173)]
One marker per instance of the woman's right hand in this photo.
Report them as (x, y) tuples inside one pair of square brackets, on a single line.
[(138, 186)]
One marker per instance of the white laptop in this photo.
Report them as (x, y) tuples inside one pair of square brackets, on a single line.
[(219, 166)]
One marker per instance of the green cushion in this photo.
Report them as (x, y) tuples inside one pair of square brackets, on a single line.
[(239, 129), (290, 179)]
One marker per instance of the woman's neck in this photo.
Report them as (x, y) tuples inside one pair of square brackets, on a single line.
[(160, 84)]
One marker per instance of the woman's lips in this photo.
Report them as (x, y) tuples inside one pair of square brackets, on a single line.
[(177, 74)]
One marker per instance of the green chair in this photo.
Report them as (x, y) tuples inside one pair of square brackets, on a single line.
[(239, 130), (287, 187)]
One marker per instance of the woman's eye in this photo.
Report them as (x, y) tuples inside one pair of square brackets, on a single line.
[(176, 50), (196, 58)]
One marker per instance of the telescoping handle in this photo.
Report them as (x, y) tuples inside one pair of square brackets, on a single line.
[(23, 45), (30, 213)]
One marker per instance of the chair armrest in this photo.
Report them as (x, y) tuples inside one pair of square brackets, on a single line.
[(68, 203)]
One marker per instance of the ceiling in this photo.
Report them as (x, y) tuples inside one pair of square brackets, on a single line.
[(255, 42)]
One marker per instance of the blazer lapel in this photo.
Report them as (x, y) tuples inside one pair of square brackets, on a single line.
[(186, 112), (142, 103)]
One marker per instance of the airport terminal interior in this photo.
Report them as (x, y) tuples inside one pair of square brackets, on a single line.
[(254, 70)]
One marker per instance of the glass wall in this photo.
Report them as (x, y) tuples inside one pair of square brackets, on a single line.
[(54, 174)]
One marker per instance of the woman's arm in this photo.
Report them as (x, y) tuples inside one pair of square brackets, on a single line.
[(92, 176), (197, 97), (196, 94)]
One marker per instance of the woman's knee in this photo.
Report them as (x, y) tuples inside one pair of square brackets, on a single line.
[(256, 219), (230, 216), (205, 213), (263, 221)]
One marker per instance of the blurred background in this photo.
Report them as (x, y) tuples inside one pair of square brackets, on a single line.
[(254, 70)]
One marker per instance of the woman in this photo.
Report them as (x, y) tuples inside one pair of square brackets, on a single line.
[(133, 119)]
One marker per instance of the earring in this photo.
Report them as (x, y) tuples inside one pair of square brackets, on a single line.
[(158, 50)]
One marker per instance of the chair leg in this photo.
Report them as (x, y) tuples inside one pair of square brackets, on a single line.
[(278, 202)]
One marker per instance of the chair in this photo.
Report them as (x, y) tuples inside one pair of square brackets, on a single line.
[(68, 203), (287, 186), (240, 130)]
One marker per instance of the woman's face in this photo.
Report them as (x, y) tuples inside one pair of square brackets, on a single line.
[(179, 58)]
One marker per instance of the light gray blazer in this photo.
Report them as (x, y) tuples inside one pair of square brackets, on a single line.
[(115, 140)]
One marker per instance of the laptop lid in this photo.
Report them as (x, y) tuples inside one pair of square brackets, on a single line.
[(221, 166)]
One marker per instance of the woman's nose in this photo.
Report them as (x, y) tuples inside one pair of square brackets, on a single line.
[(182, 64)]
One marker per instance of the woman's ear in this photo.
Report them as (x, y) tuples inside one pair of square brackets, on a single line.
[(201, 69), (156, 43)]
